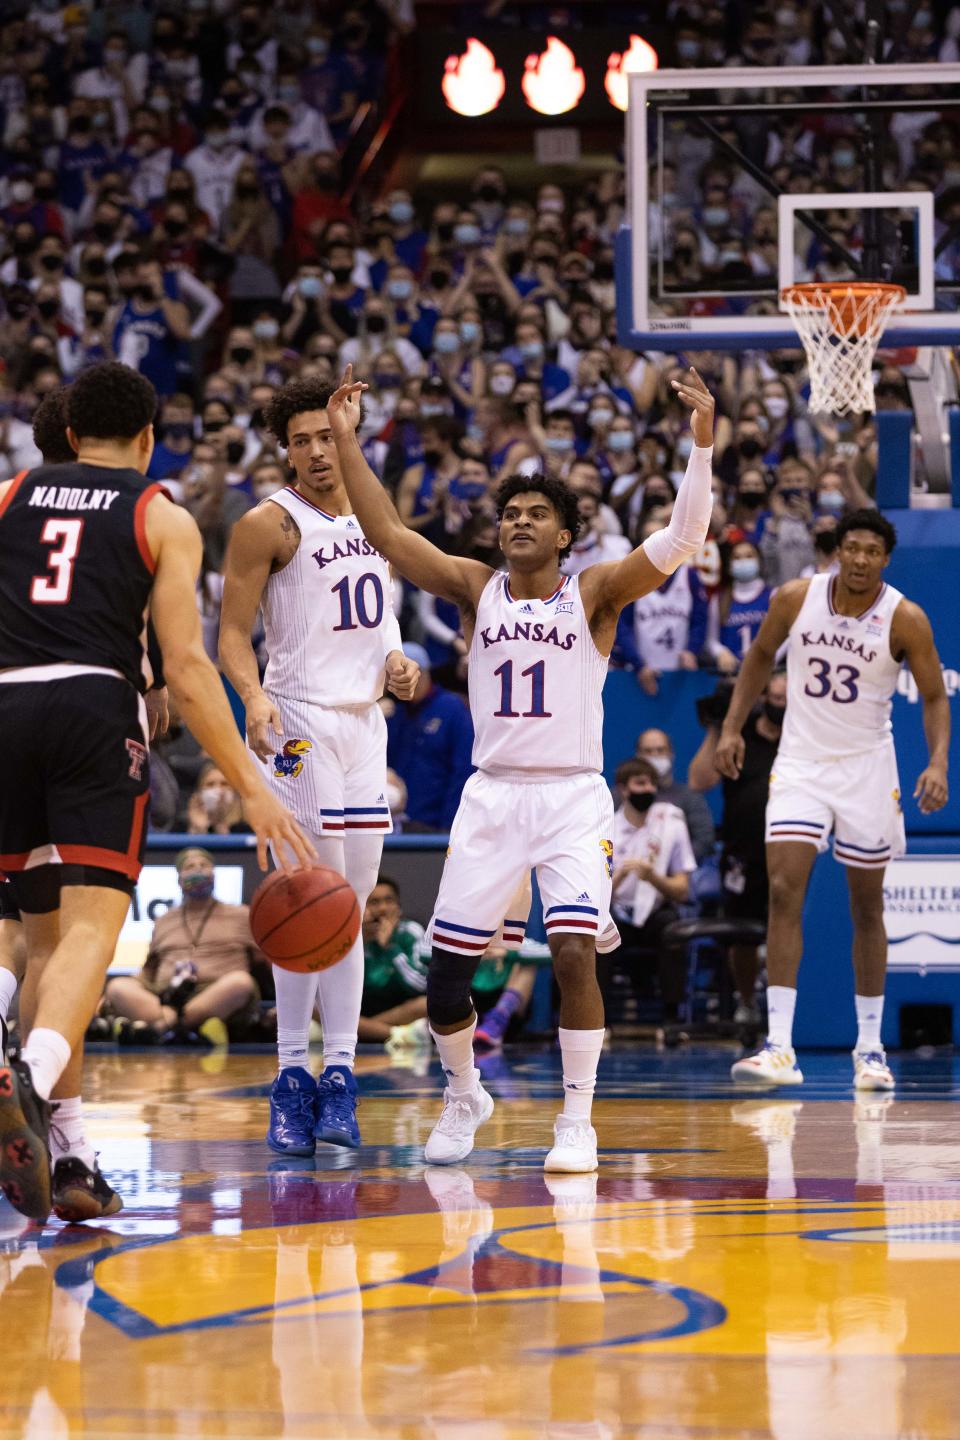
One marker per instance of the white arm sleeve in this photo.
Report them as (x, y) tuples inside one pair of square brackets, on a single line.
[(685, 534)]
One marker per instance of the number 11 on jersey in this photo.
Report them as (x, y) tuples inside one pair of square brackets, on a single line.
[(537, 710)]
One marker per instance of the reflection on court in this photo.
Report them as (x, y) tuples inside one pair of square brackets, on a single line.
[(758, 1266)]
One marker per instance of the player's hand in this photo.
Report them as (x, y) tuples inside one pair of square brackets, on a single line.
[(273, 824), (695, 394), (263, 718), (158, 712), (729, 754), (932, 791), (343, 407), (403, 675), (727, 662), (686, 660)]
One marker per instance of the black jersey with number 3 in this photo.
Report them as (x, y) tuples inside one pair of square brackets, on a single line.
[(75, 568)]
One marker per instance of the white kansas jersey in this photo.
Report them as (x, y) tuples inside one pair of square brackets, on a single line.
[(326, 613), (661, 622), (536, 682), (840, 676)]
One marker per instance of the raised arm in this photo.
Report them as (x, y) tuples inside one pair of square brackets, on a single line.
[(607, 588), (755, 672), (260, 540), (412, 555), (912, 637), (174, 541)]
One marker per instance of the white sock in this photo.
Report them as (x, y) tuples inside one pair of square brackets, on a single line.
[(8, 988), (295, 997), (869, 1018), (581, 1055), (67, 1135), (456, 1057), (339, 993), (781, 1003), (47, 1053)]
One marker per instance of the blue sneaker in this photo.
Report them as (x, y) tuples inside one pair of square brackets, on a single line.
[(293, 1098), (337, 1107)]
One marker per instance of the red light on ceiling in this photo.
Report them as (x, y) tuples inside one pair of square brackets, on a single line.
[(639, 58), (553, 82), (472, 83)]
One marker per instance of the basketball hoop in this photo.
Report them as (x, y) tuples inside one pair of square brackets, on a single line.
[(840, 326)]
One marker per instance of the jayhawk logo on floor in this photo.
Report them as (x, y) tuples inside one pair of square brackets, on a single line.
[(289, 761), (607, 847)]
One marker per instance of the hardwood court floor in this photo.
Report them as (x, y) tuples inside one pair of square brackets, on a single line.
[(742, 1266)]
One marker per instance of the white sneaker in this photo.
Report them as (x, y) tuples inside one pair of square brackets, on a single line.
[(415, 1036), (773, 1065), (871, 1071), (451, 1139), (574, 1147)]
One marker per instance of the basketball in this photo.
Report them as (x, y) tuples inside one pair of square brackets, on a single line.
[(305, 920)]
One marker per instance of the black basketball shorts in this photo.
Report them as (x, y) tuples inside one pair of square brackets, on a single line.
[(74, 784)]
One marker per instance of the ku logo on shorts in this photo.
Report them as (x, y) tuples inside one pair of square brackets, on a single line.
[(288, 762), (607, 847)]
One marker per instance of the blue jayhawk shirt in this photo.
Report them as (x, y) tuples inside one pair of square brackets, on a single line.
[(430, 745)]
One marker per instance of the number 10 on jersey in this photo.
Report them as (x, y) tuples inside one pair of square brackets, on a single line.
[(537, 710)]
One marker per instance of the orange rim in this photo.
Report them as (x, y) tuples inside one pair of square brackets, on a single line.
[(840, 290)]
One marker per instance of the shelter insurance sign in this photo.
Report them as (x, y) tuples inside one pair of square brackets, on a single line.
[(921, 908)]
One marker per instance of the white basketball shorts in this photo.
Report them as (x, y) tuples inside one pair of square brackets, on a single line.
[(330, 768), (561, 827), (857, 797)]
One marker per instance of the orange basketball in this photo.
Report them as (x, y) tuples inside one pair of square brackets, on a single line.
[(306, 919)]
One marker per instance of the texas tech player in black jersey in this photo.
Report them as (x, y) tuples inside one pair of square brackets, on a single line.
[(87, 604), (83, 549)]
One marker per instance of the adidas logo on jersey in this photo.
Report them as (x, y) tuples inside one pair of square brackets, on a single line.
[(351, 525), (526, 609), (381, 800), (581, 898)]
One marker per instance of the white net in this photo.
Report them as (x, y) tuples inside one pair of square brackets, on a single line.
[(841, 326)]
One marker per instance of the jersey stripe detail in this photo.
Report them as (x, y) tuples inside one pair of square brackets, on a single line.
[(875, 601), (863, 849), (546, 600), (571, 909), (140, 525), (465, 929), (296, 493), (15, 484)]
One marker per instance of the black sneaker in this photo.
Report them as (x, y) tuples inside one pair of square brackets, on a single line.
[(4, 1040), (24, 1157), (80, 1193)]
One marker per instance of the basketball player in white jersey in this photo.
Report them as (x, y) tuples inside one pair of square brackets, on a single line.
[(847, 636), (332, 640), (539, 643)]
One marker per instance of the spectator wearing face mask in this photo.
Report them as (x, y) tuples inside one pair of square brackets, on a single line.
[(409, 239), (751, 508), (25, 205), (584, 477), (743, 867), (151, 328), (119, 78), (656, 748), (594, 544), (173, 447), (824, 548), (214, 164), (376, 332), (786, 548), (422, 489), (504, 437), (528, 357), (652, 864), (556, 440), (215, 505), (738, 608), (214, 807), (82, 159)]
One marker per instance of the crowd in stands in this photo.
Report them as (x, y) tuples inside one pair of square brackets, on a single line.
[(172, 195)]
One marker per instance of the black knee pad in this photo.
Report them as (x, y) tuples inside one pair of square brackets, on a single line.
[(448, 987)]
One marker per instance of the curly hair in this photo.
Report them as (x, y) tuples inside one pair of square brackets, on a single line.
[(293, 399), (870, 520), (558, 492), (110, 402), (50, 428)]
